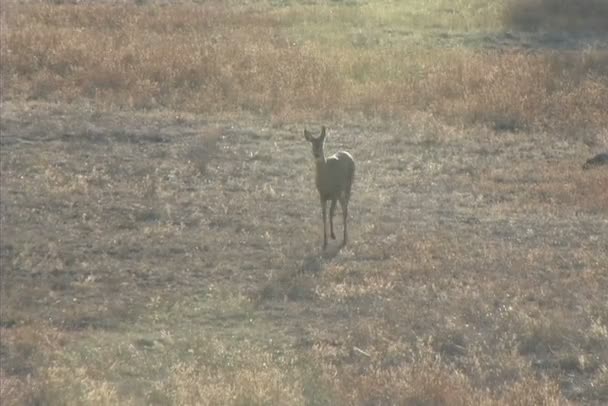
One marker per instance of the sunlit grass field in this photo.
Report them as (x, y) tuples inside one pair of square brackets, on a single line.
[(299, 62), (161, 232)]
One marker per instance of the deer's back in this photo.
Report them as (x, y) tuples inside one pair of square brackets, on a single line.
[(337, 175)]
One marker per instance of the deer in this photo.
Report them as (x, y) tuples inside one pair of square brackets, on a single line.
[(334, 178)]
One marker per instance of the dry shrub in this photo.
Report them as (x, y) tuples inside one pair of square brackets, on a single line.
[(532, 392), (208, 58), (57, 385), (425, 382), (66, 385), (430, 381), (557, 15), (263, 383), (215, 58), (503, 90)]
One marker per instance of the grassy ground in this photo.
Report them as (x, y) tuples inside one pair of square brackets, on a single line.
[(161, 231), (341, 62)]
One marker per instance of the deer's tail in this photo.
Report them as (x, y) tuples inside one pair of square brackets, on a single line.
[(350, 179)]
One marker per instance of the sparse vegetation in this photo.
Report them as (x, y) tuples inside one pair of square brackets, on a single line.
[(159, 221)]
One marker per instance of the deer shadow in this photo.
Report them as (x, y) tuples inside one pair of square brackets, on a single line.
[(331, 251), (314, 263)]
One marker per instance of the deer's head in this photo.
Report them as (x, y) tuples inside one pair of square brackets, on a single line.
[(317, 142)]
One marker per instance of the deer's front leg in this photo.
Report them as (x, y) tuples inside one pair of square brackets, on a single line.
[(324, 210), (332, 210)]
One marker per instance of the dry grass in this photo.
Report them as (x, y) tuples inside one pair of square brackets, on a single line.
[(218, 59), (475, 273), (160, 228)]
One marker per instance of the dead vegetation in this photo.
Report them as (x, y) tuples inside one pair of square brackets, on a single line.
[(475, 273), (216, 58), (159, 219)]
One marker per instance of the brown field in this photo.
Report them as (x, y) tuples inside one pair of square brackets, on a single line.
[(161, 233)]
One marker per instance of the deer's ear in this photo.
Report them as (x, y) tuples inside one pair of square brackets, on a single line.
[(307, 135), (323, 133)]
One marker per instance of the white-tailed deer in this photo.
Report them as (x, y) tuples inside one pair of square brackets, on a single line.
[(334, 179)]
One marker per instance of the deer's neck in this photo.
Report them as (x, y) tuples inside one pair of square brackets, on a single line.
[(321, 164)]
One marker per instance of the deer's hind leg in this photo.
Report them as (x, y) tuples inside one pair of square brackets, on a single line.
[(332, 210), (324, 211), (344, 206)]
